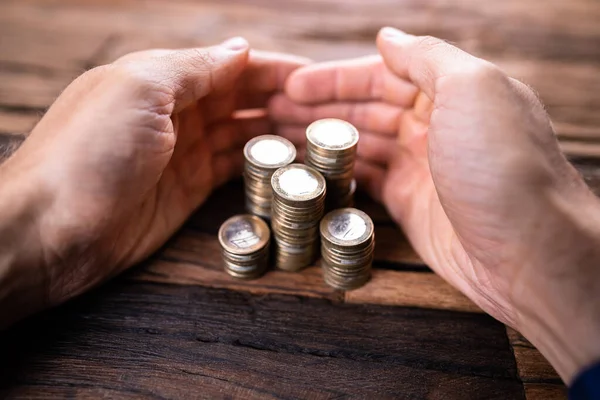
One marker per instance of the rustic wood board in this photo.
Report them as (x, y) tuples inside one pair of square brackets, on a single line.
[(165, 341), (97, 346)]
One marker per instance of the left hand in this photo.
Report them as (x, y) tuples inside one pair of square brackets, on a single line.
[(128, 151)]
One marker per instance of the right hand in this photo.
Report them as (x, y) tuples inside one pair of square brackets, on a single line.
[(466, 161)]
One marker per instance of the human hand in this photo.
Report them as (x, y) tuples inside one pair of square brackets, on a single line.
[(466, 161), (123, 157)]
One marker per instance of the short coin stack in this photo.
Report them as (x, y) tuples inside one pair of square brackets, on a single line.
[(264, 155), (331, 150), (298, 206), (244, 242), (347, 243)]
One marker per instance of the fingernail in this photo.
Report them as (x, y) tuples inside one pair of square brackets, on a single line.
[(236, 44), (394, 34)]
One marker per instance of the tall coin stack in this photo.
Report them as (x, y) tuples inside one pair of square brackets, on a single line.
[(331, 150), (347, 244), (244, 242), (298, 206), (264, 155)]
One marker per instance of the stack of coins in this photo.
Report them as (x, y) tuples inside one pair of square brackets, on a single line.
[(244, 242), (331, 150), (264, 155), (347, 244), (298, 206)]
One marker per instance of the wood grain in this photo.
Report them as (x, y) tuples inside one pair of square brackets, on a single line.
[(157, 333), (545, 391), (533, 367), (131, 339), (539, 378), (554, 50), (17, 123), (411, 289)]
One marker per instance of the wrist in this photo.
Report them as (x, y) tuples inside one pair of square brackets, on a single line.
[(23, 275), (561, 314)]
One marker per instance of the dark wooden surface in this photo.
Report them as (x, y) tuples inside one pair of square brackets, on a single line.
[(178, 327)]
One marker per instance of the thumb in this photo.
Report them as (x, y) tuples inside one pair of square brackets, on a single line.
[(424, 59), (188, 75)]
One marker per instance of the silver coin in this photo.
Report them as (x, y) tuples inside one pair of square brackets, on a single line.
[(332, 134), (346, 227), (269, 151), (298, 182), (243, 234)]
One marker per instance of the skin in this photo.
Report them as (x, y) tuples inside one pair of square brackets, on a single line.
[(126, 153), (463, 157)]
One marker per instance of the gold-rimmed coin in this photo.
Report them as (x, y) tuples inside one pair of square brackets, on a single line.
[(244, 241), (297, 184), (331, 149), (298, 206), (347, 245), (263, 156), (269, 152), (332, 135)]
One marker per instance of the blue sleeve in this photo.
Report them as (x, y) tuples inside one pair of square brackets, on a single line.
[(586, 385)]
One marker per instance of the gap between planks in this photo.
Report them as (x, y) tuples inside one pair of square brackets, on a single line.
[(540, 380)]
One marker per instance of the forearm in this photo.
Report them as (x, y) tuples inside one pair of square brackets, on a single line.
[(22, 274)]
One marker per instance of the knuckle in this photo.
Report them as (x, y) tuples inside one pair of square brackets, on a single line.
[(142, 80), (93, 74), (200, 58), (99, 70), (484, 71), (429, 43), (477, 76), (132, 73)]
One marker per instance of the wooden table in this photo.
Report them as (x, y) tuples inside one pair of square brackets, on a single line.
[(179, 327)]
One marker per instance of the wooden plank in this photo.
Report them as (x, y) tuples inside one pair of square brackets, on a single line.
[(8, 145), (131, 339), (531, 29), (18, 123), (32, 91), (200, 264), (580, 149), (47, 48), (194, 258), (540, 380), (411, 289), (571, 91), (545, 391), (95, 33), (391, 246), (532, 365), (569, 131)]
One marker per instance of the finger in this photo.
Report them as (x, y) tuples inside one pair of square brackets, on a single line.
[(251, 100), (185, 76), (235, 132), (369, 177), (374, 148), (423, 60), (264, 75), (362, 79), (227, 166), (267, 72), (373, 116)]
